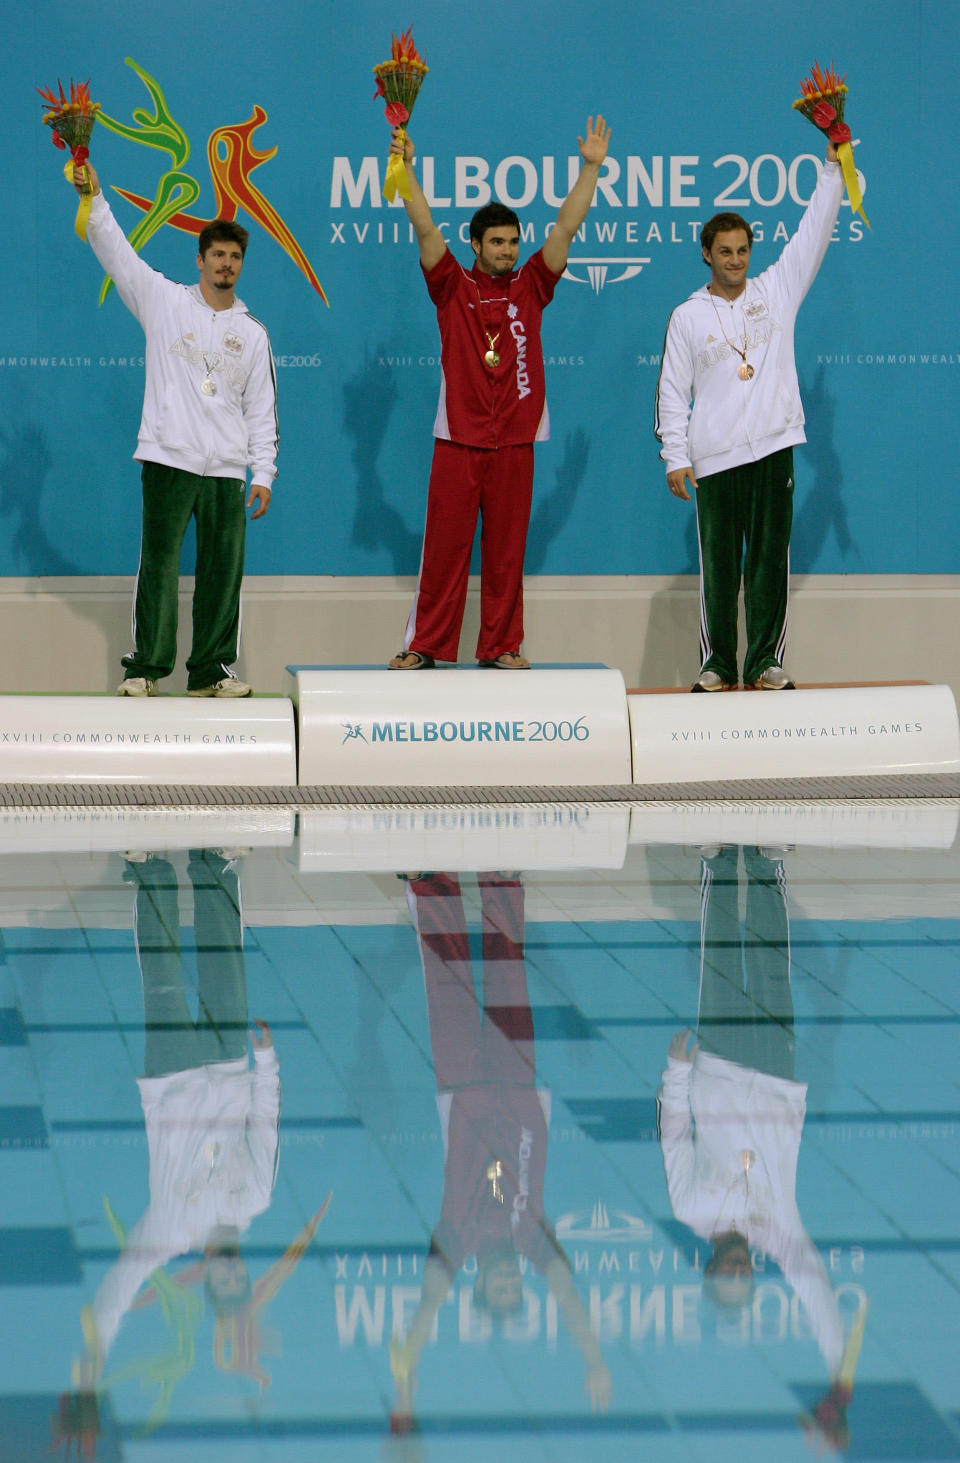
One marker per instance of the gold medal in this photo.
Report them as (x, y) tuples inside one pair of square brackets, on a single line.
[(491, 358), (745, 372)]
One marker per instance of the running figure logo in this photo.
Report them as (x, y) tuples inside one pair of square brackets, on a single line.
[(231, 157)]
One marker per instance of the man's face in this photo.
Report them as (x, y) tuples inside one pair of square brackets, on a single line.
[(221, 265), (227, 1277), (729, 260), (503, 1288), (498, 249)]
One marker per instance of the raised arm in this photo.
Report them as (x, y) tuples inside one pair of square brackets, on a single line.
[(573, 210), (803, 254), (137, 284), (432, 243)]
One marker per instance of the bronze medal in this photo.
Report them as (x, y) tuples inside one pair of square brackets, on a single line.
[(745, 372)]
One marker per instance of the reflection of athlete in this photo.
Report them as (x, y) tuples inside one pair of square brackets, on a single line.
[(209, 412), (211, 1121), (731, 1112), (492, 409), (494, 1122)]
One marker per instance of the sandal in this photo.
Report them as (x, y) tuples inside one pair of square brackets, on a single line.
[(510, 660), (418, 662)]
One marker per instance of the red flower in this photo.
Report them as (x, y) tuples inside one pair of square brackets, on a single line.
[(379, 91), (80, 154), (396, 114), (840, 132), (823, 114), (57, 140)]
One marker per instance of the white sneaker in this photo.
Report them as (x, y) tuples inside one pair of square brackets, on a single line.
[(137, 686), (710, 681), (774, 678), (229, 686)]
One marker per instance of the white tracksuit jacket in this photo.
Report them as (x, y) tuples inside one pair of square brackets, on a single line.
[(712, 1112), (212, 1135), (734, 421), (213, 436)]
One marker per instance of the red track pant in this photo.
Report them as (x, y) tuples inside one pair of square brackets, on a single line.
[(497, 484)]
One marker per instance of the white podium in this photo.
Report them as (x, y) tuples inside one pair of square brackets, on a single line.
[(560, 726), (157, 739), (822, 732)]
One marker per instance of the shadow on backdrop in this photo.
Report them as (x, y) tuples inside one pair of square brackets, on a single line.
[(369, 398), (823, 507), (24, 466), (555, 507)]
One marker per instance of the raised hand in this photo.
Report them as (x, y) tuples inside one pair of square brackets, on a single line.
[(593, 147)]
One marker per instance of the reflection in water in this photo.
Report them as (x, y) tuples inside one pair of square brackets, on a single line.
[(531, 1234), (494, 1120), (731, 1111), (212, 1136)]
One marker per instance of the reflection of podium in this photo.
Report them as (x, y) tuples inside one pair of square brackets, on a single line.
[(559, 726)]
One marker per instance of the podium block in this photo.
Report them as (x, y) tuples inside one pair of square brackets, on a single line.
[(829, 732), (560, 726), (156, 739)]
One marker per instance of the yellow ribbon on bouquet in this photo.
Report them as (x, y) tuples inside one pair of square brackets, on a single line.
[(396, 180), (86, 197), (849, 170)]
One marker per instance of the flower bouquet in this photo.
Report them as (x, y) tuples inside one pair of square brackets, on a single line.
[(399, 81), (825, 1425), (76, 1424), (72, 118), (823, 98)]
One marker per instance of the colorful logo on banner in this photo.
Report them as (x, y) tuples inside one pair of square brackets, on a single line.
[(232, 158)]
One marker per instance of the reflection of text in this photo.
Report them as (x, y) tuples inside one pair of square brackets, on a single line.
[(656, 1314)]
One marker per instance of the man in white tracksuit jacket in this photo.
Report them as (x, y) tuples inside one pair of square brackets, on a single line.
[(212, 1119), (731, 1111), (209, 413), (729, 352), (731, 1140)]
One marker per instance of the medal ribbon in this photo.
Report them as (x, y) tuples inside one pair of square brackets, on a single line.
[(849, 171)]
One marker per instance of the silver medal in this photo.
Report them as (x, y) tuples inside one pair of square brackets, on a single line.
[(208, 386)]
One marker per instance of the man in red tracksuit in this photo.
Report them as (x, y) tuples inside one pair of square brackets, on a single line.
[(494, 1119), (492, 409)]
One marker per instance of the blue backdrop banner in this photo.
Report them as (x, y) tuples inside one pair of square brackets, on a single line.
[(268, 116)]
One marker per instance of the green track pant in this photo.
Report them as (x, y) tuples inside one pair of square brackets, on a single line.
[(170, 499), (744, 517)]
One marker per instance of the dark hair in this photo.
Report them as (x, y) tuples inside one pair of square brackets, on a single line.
[(723, 223), (225, 1305), (729, 1291), (222, 230), (491, 216)]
